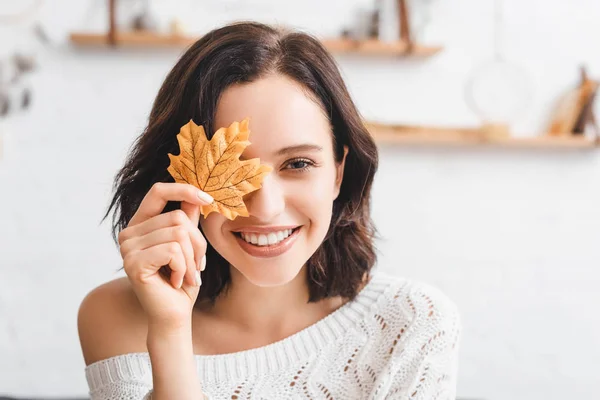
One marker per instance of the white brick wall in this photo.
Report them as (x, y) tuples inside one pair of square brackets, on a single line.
[(511, 235)]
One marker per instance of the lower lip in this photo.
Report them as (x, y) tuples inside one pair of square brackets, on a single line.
[(271, 250)]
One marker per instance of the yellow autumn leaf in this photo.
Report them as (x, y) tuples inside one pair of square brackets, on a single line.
[(215, 167)]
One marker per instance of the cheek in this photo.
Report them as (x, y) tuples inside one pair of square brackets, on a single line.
[(323, 183), (313, 197)]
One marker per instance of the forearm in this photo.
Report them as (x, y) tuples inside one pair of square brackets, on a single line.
[(174, 371)]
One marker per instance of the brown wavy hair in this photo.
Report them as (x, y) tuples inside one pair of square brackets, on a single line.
[(240, 53)]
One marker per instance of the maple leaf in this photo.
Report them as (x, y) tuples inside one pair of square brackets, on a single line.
[(215, 167)]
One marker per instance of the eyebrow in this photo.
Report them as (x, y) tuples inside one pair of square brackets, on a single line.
[(297, 148)]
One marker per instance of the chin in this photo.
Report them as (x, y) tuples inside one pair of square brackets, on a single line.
[(267, 275)]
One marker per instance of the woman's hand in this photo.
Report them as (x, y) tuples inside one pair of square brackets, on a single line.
[(153, 240)]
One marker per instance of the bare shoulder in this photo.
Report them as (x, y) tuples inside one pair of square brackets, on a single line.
[(111, 322)]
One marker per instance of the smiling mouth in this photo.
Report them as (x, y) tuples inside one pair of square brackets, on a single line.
[(271, 239)]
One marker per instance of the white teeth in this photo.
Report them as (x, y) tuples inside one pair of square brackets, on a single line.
[(263, 240), (268, 239), (272, 238)]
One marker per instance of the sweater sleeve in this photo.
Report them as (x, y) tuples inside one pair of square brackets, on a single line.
[(126, 377), (427, 368), (436, 375), (122, 391)]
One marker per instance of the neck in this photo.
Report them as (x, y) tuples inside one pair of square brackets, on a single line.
[(271, 311)]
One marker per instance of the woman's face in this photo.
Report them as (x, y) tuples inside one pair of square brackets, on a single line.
[(290, 214)]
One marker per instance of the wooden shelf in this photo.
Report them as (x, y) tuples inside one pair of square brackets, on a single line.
[(379, 48), (438, 136), (344, 46), (132, 39)]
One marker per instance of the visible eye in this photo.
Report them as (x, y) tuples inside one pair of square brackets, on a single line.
[(299, 164)]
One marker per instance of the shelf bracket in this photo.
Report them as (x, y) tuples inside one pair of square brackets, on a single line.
[(112, 25)]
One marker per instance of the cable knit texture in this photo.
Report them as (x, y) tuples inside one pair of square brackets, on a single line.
[(398, 339)]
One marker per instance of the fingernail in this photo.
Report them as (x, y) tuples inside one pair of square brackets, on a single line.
[(205, 197), (198, 279), (203, 263)]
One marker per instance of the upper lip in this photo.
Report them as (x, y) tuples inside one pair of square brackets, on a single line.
[(264, 229)]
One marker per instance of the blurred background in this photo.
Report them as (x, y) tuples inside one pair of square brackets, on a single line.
[(489, 184)]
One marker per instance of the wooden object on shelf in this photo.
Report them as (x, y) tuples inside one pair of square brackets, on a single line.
[(455, 137), (112, 22), (587, 115), (575, 109), (150, 39), (403, 20)]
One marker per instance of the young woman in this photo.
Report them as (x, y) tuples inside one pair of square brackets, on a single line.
[(288, 306)]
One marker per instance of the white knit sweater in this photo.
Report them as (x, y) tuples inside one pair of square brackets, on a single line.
[(398, 339)]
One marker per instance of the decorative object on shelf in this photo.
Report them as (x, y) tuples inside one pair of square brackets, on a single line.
[(346, 33), (499, 91), (375, 21), (575, 112), (145, 20), (177, 28), (365, 23), (420, 17), (588, 116)]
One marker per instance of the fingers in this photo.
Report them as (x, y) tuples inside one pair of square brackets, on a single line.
[(142, 265), (199, 244), (178, 234), (177, 264), (203, 263), (182, 236), (170, 219), (175, 234), (162, 192)]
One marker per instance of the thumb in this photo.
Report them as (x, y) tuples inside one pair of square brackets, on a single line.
[(191, 290)]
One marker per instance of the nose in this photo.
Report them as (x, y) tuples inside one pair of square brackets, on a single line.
[(268, 202)]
